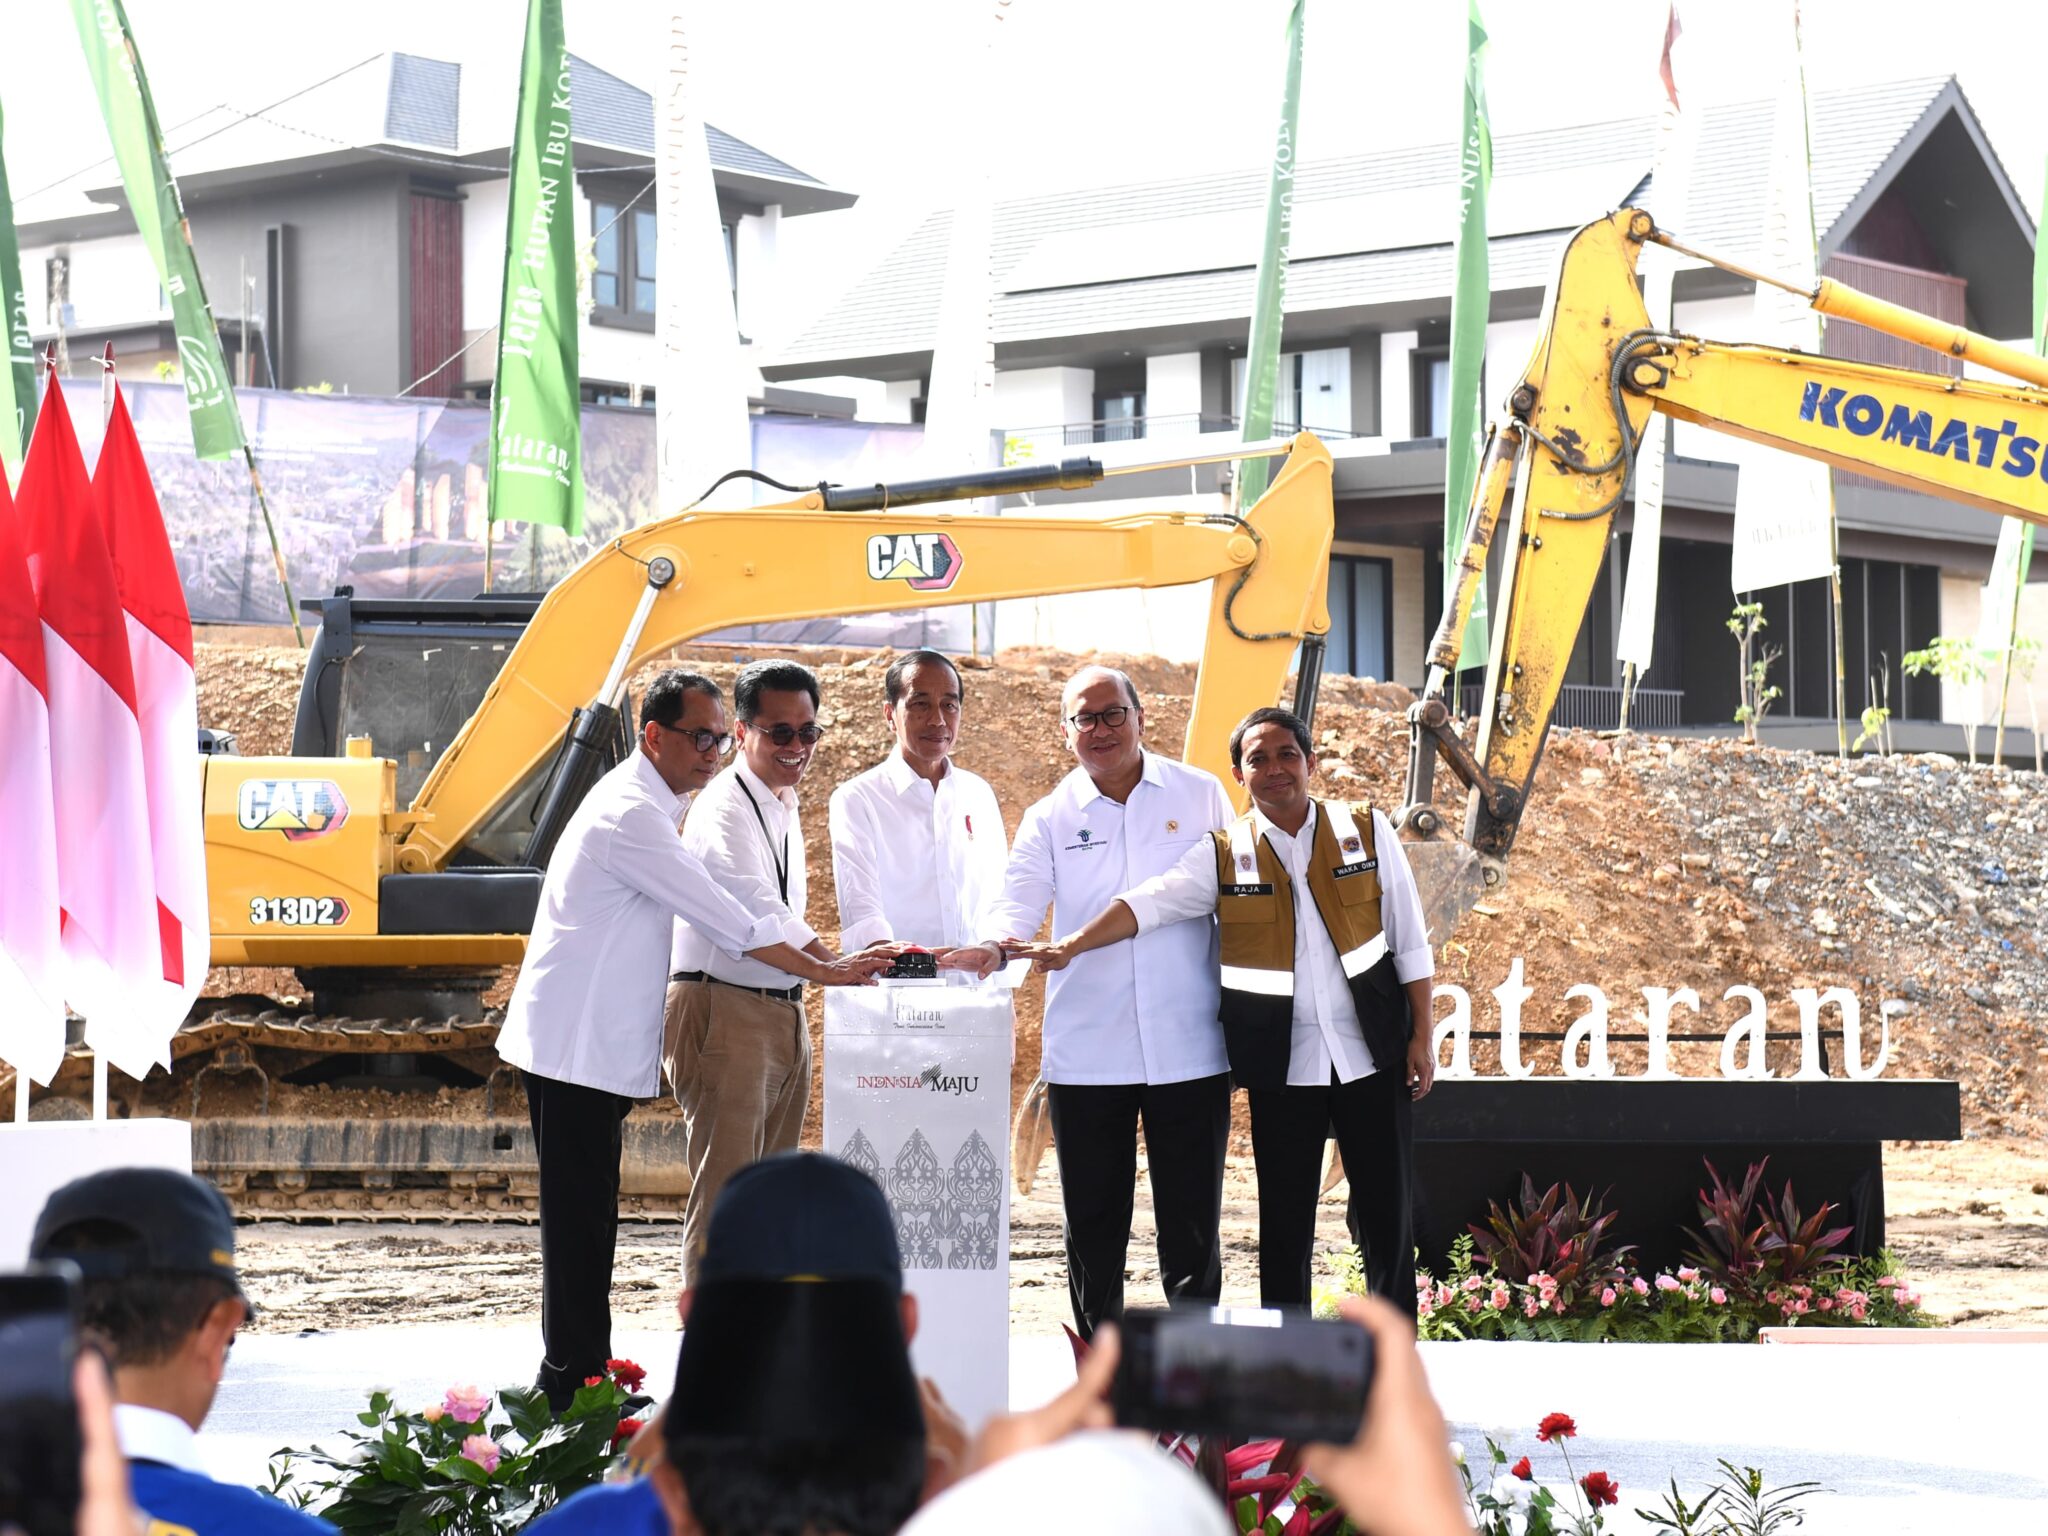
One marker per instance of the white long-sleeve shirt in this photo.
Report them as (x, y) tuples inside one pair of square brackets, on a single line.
[(913, 860), (748, 856), (1142, 1012), (587, 1006), (1326, 1029)]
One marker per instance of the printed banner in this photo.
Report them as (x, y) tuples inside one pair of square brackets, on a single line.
[(18, 370), (116, 68), (1784, 505), (1471, 305), (1269, 300), (917, 1095), (536, 462), (1671, 194)]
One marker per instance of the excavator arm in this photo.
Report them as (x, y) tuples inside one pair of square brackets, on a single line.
[(1557, 464)]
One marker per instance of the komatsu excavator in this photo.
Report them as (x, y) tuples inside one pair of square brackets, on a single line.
[(395, 858)]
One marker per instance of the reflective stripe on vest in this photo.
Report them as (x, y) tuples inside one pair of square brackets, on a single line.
[(1350, 846), (1247, 978), (1244, 848), (1365, 957)]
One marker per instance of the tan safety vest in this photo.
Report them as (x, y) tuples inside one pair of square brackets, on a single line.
[(1256, 917)]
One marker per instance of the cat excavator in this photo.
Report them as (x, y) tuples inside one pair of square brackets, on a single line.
[(395, 858)]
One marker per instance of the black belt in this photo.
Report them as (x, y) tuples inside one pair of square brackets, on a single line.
[(782, 994)]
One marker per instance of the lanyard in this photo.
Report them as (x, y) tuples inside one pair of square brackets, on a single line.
[(782, 863)]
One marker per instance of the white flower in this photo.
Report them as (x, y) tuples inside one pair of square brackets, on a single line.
[(1458, 1452), (1512, 1491)]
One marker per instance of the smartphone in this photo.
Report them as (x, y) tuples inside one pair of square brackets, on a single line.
[(1247, 1372), (913, 965), (39, 1436)]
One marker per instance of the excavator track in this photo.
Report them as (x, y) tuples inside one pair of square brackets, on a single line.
[(293, 1120)]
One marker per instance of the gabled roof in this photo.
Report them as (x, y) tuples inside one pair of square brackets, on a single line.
[(400, 108), (1372, 232)]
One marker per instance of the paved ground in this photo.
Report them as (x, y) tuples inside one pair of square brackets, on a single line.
[(1921, 1437)]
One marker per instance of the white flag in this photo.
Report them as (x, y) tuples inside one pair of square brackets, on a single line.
[(1671, 193), (1783, 505), (701, 423), (2001, 589)]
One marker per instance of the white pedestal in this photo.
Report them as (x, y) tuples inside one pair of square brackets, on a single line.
[(917, 1094), (39, 1158)]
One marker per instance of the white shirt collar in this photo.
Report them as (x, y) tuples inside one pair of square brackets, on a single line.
[(1086, 793), (656, 784), (150, 1434), (901, 776), (1263, 824), (753, 782)]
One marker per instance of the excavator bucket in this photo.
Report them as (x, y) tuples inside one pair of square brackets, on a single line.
[(1450, 877)]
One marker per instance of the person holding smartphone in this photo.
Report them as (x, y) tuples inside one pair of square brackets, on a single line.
[(1326, 973), (734, 1043), (918, 843)]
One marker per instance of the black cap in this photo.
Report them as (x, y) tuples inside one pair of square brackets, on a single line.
[(175, 1222), (801, 1216), (796, 1320)]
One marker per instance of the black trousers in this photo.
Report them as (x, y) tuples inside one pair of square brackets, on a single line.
[(1095, 1137), (577, 1135), (1372, 1117)]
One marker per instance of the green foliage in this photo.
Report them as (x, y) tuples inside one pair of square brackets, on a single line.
[(1872, 721), (433, 1471), (1752, 668), (1953, 660), (1565, 1240)]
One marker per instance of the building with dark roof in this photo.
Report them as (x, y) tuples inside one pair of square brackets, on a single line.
[(1121, 313), (353, 235)]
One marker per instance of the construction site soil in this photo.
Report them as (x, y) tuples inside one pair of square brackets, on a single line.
[(1916, 883)]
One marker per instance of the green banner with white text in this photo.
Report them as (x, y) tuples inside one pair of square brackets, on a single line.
[(138, 142), (1269, 300), (536, 466), (18, 372), (1471, 302)]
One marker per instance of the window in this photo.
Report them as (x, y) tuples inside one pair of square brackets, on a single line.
[(1120, 418), (1361, 642), (1432, 392), (623, 395), (622, 283)]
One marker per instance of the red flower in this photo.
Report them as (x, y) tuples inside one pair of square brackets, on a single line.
[(1521, 1469), (628, 1428), (1556, 1426), (1600, 1488), (626, 1374), (593, 1381)]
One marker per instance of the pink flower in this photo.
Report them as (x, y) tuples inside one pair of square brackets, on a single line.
[(1607, 1297), (1499, 1299), (1666, 1283), (1471, 1303), (1688, 1275), (1444, 1295), (1858, 1310), (1640, 1286), (467, 1405), (1473, 1282), (1531, 1306), (1718, 1297), (1826, 1305), (1544, 1283), (1887, 1281), (433, 1413), (482, 1450), (1799, 1307), (1558, 1305)]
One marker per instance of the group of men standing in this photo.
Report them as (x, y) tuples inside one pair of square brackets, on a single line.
[(1282, 950)]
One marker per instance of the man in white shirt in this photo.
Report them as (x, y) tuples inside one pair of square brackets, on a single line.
[(584, 1024), (1131, 1033), (1325, 998), (734, 1044), (917, 841)]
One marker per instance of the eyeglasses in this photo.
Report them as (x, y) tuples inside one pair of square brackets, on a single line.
[(703, 741), (1088, 719), (783, 735)]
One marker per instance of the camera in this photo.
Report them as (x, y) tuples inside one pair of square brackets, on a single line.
[(40, 1443), (1245, 1372)]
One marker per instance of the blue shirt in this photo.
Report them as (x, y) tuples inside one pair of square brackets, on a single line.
[(189, 1501), (612, 1509)]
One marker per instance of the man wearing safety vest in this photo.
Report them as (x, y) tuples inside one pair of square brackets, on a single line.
[(1325, 1001)]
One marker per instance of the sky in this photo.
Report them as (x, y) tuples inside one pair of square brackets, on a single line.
[(898, 99)]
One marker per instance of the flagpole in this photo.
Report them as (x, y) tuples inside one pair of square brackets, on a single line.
[(490, 529), (99, 1058), (2012, 635)]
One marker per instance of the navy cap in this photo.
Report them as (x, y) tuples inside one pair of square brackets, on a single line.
[(173, 1222), (801, 1216)]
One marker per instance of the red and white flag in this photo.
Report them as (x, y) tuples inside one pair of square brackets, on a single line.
[(105, 874), (31, 963), (167, 709)]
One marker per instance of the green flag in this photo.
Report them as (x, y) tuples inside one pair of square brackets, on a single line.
[(18, 373), (1999, 608), (116, 69), (536, 433), (1262, 356), (1471, 299)]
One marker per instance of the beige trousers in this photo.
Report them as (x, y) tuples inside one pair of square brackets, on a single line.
[(740, 1065)]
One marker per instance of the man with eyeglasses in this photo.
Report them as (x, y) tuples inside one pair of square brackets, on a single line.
[(917, 841), (1130, 1033), (584, 1025), (734, 1042)]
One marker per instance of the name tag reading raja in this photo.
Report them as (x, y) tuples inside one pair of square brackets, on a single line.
[(1262, 889)]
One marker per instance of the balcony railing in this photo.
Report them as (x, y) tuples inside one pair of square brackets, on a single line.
[(1591, 707), (1129, 429)]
